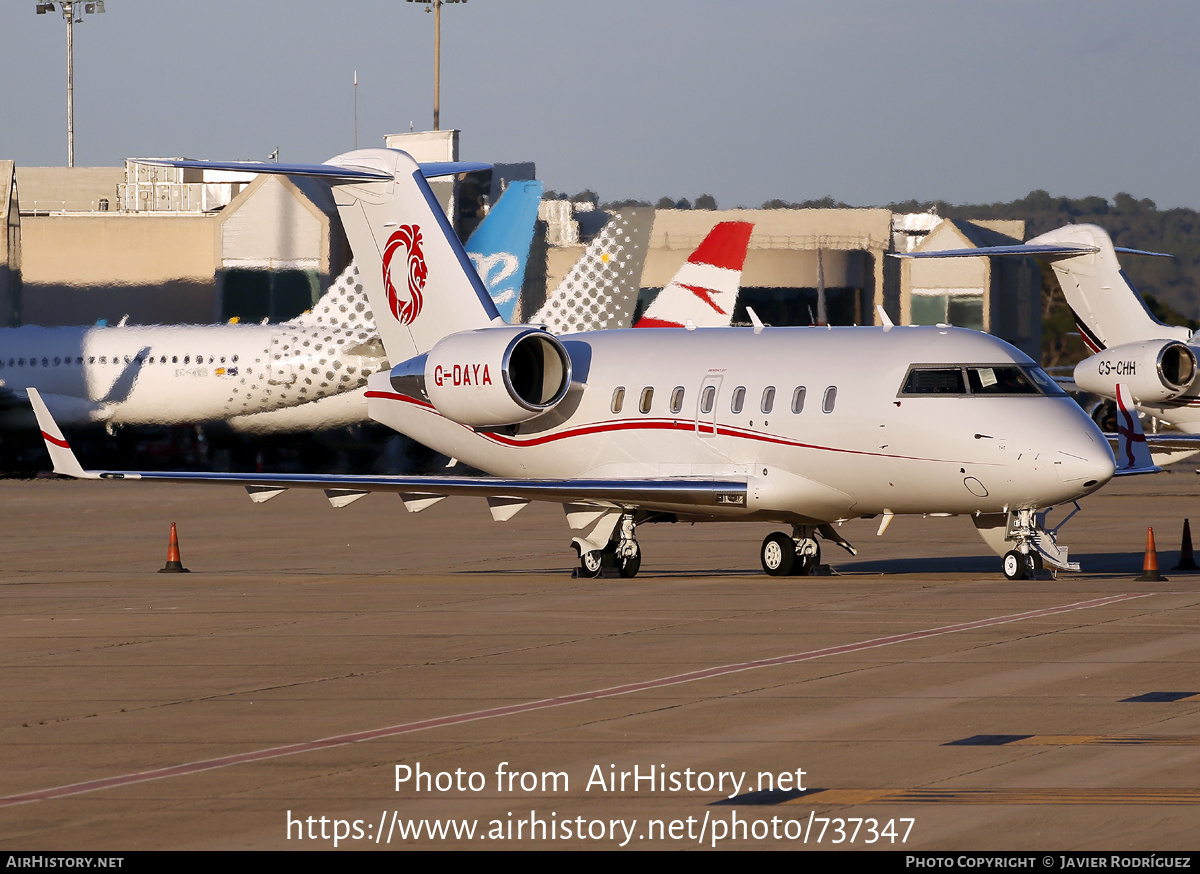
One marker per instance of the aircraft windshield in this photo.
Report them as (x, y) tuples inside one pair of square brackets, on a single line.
[(978, 379)]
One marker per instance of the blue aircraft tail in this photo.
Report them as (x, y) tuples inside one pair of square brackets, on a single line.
[(499, 248)]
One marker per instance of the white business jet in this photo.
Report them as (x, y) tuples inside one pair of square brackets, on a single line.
[(806, 427)]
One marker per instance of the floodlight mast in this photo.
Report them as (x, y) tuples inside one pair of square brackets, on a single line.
[(437, 55), (71, 9)]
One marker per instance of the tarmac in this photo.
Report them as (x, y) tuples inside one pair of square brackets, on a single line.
[(385, 680)]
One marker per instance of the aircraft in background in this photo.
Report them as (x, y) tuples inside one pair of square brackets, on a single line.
[(806, 427), (296, 375), (705, 290), (599, 292), (499, 248), (1156, 362)]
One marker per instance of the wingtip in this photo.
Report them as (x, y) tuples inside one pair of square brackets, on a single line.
[(61, 456)]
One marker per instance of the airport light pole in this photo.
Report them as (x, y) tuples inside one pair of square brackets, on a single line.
[(73, 11), (437, 54)]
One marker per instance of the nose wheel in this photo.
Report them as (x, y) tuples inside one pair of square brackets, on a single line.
[(1021, 566)]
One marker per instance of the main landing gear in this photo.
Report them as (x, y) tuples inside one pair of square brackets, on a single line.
[(799, 554), (621, 552)]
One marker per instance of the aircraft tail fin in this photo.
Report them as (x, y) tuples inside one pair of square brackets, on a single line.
[(499, 248), (418, 279), (705, 289), (600, 291), (1108, 309), (61, 455), (1133, 455)]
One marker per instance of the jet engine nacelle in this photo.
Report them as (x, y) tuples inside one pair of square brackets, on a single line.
[(490, 377), (1153, 370)]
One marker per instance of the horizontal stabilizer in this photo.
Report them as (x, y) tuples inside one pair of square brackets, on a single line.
[(332, 172), (1040, 250)]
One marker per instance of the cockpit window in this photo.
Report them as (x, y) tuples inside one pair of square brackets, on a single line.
[(999, 381), (934, 381), (1044, 381), (979, 379)]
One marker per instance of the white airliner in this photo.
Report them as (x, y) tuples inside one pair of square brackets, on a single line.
[(802, 426), (1156, 362)]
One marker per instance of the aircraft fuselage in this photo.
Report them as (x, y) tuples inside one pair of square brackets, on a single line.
[(176, 374), (816, 420)]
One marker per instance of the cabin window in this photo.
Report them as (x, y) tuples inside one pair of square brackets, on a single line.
[(829, 400), (768, 399), (738, 400), (677, 399), (174, 359), (618, 398), (57, 361), (235, 358), (798, 399), (647, 399), (707, 398), (21, 361), (162, 359), (45, 362)]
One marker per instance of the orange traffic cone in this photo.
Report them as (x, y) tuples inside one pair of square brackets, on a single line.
[(174, 565), (1187, 561), (1150, 565)]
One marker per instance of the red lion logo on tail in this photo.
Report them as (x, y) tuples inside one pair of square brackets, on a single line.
[(406, 306)]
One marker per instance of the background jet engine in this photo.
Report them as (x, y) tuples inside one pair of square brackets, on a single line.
[(1153, 370), (490, 377)]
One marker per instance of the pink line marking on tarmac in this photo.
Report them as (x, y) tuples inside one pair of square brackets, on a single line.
[(542, 704)]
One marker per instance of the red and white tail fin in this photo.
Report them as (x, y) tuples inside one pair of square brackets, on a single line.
[(1133, 455), (705, 289)]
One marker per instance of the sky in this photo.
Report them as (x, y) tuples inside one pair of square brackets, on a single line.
[(868, 101)]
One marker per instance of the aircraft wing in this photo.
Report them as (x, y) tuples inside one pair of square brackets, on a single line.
[(420, 491)]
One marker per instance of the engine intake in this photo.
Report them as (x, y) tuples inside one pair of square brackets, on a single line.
[(490, 377), (1153, 370)]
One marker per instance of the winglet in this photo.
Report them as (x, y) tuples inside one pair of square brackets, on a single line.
[(61, 455), (1133, 455)]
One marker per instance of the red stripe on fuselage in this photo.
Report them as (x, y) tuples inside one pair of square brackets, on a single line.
[(679, 425)]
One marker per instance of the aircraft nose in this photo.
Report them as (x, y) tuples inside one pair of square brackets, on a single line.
[(1083, 459)]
